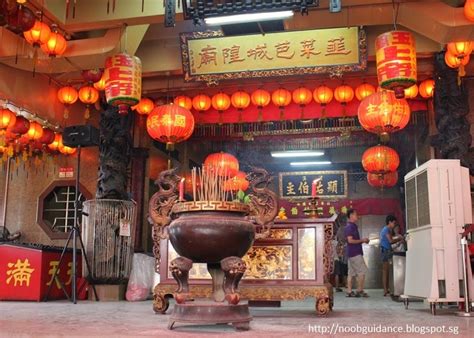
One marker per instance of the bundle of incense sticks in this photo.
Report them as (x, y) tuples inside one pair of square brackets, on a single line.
[(209, 184)]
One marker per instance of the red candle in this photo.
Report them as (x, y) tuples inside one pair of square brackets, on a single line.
[(181, 189), (313, 188)]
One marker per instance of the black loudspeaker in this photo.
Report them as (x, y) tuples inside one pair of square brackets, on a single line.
[(84, 136)]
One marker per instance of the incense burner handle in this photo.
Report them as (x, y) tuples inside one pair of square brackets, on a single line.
[(263, 201)]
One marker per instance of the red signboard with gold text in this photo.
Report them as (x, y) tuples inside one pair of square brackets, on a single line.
[(26, 273)]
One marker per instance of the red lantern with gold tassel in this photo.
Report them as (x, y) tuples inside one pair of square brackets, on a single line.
[(380, 160), (323, 95), (67, 96), (47, 137), (382, 113), (35, 131), (183, 101), (396, 61), (220, 102), (225, 164), (20, 127), (240, 100), (364, 90), (411, 92), (7, 118), (170, 124), (454, 61), (260, 98), (344, 94), (123, 84), (144, 107), (37, 36), (56, 44), (281, 98), (426, 88), (88, 95), (201, 103), (387, 180), (58, 139), (302, 96)]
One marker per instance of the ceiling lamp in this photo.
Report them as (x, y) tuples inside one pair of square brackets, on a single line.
[(426, 88), (240, 100), (387, 180), (88, 95), (226, 164), (38, 35), (201, 103), (261, 98), (296, 153), (396, 61), (220, 102), (382, 113), (411, 92), (35, 131), (237, 183), (323, 95), (7, 118), (281, 98), (123, 86), (469, 10), (302, 96), (380, 160), (248, 17), (364, 90), (145, 106), (310, 163), (67, 96), (184, 101), (170, 124), (56, 44)]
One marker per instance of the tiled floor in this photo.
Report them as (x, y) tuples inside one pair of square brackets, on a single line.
[(293, 319)]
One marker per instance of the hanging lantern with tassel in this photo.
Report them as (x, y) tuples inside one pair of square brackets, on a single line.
[(220, 102), (387, 180), (426, 88), (7, 119), (201, 103), (364, 90), (67, 96), (20, 127), (380, 160), (411, 92), (47, 137), (35, 131), (56, 44), (302, 96), (323, 95), (260, 98), (454, 61), (58, 139), (281, 98), (37, 36), (344, 94), (144, 107), (123, 87), (89, 96), (240, 100), (183, 101), (100, 85), (22, 20), (469, 10), (396, 61)]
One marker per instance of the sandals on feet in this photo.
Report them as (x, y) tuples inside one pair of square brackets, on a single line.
[(351, 294), (362, 294)]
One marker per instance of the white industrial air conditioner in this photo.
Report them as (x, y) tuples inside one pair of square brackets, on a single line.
[(438, 205)]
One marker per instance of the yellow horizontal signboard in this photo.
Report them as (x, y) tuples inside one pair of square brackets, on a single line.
[(209, 56)]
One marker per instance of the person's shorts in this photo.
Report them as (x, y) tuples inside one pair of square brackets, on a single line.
[(340, 268), (357, 266), (387, 254)]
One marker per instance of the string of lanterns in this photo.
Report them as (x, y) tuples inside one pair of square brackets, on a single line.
[(457, 55)]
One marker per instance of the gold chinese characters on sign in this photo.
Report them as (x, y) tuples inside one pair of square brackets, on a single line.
[(328, 184), (210, 56)]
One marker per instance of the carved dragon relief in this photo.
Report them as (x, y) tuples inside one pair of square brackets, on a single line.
[(160, 206), (263, 201)]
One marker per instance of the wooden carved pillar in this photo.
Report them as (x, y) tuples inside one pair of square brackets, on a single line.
[(139, 157)]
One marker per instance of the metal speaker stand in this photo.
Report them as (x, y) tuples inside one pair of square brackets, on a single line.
[(465, 257), (73, 235)]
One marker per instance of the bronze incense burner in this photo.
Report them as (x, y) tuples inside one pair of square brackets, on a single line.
[(218, 233)]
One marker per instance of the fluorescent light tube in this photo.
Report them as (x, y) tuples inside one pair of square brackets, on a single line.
[(297, 153), (248, 17), (301, 164)]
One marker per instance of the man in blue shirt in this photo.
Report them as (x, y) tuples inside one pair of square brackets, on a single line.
[(386, 241), (355, 259)]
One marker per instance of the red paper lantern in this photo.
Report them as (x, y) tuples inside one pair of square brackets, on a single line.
[(201, 103), (281, 98), (323, 95), (183, 101), (92, 75), (47, 137), (364, 90), (380, 160), (383, 113), (261, 98), (344, 94), (302, 96), (21, 20), (67, 95), (225, 164), (237, 183), (7, 118), (88, 95), (100, 85), (58, 140), (411, 92), (387, 180), (35, 131), (123, 84), (460, 49), (38, 35), (55, 46), (469, 10), (427, 88), (453, 61), (65, 150), (20, 127), (220, 102), (240, 100), (145, 106), (396, 61), (170, 124)]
